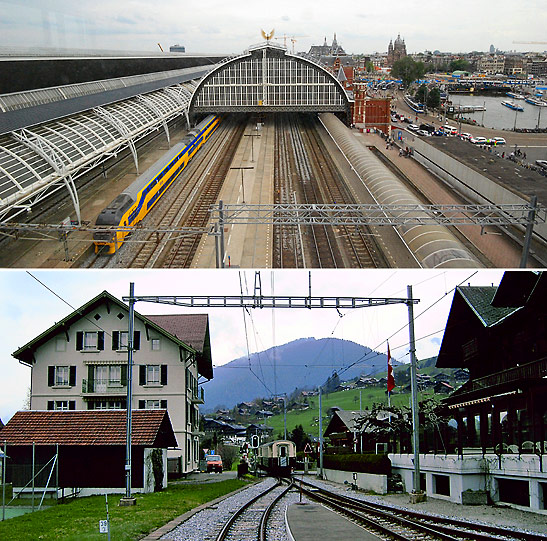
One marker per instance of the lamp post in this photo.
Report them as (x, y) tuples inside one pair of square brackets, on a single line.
[(242, 184)]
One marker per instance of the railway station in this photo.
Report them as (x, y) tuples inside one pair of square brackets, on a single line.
[(293, 135)]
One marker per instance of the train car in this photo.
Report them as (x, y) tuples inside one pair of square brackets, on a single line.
[(134, 203), (277, 458)]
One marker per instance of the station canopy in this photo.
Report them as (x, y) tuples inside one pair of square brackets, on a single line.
[(39, 160), (266, 78)]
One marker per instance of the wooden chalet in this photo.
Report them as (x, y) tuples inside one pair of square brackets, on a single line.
[(500, 336)]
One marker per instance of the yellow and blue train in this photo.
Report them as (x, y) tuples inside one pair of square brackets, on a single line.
[(134, 203)]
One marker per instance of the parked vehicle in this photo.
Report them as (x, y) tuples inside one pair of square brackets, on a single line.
[(413, 127), (498, 141), (423, 133), (478, 140), (214, 463), (466, 136)]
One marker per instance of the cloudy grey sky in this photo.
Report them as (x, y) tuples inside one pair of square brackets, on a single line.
[(28, 308), (219, 26)]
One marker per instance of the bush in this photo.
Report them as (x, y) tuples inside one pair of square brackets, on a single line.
[(376, 464)]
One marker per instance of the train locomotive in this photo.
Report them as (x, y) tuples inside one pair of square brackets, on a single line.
[(134, 203), (277, 458)]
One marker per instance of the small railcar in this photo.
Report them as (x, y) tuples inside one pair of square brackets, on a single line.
[(134, 203), (277, 458)]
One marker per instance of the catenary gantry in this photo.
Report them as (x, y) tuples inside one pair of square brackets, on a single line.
[(266, 78), (37, 161)]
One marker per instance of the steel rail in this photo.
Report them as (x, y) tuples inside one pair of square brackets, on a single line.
[(223, 534)]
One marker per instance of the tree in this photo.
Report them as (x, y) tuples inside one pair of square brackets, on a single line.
[(421, 94), (434, 98), (299, 437), (407, 70), (459, 65), (370, 67)]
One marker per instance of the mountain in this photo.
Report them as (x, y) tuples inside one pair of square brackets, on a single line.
[(305, 363)]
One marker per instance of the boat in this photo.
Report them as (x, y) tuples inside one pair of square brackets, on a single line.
[(515, 96), (535, 101), (512, 105)]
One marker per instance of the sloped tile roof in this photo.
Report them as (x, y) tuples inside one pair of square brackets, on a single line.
[(150, 428), (188, 328), (479, 300)]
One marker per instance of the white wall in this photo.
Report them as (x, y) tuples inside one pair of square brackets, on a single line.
[(474, 472), (364, 481)]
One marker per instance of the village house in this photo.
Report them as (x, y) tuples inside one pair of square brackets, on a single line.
[(80, 363)]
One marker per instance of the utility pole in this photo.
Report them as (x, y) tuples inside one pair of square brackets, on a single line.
[(320, 434), (242, 184), (128, 500), (417, 495)]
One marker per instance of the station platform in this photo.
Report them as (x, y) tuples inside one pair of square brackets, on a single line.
[(310, 522)]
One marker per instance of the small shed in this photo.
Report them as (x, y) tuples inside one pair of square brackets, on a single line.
[(90, 448)]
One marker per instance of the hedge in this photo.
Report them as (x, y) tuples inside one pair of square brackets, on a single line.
[(376, 464)]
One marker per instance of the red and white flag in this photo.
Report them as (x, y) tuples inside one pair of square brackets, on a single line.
[(390, 378)]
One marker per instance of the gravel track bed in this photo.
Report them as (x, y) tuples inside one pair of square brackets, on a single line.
[(499, 515), (206, 524)]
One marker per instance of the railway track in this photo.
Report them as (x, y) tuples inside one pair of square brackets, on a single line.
[(318, 244), (389, 522), (357, 242), (305, 173), (185, 204), (250, 521)]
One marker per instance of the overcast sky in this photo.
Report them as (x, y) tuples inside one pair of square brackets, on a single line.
[(28, 308), (219, 26)]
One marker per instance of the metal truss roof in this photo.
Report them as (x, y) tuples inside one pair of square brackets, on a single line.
[(37, 161)]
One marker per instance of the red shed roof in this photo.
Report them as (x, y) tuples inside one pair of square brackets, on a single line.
[(150, 428)]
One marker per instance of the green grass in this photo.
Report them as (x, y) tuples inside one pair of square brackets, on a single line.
[(79, 519), (347, 400)]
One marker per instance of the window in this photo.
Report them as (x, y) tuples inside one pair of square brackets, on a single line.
[(61, 405), (90, 341), (152, 404), (153, 374), (115, 377), (155, 344), (61, 376), (106, 405), (120, 340)]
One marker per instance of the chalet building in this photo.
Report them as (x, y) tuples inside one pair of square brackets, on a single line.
[(495, 444), (80, 363), (83, 452)]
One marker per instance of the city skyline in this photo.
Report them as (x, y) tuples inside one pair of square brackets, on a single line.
[(230, 28)]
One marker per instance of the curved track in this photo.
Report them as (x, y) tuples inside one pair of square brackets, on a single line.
[(249, 522)]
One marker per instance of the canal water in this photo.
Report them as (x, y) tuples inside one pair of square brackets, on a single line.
[(500, 117)]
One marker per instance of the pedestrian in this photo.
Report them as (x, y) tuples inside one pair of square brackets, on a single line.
[(524, 155), (400, 152), (503, 154)]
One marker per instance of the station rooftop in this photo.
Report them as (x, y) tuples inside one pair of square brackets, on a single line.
[(513, 176)]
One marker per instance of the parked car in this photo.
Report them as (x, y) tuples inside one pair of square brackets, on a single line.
[(413, 127), (214, 463)]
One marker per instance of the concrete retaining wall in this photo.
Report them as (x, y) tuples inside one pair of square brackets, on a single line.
[(475, 187), (363, 481)]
